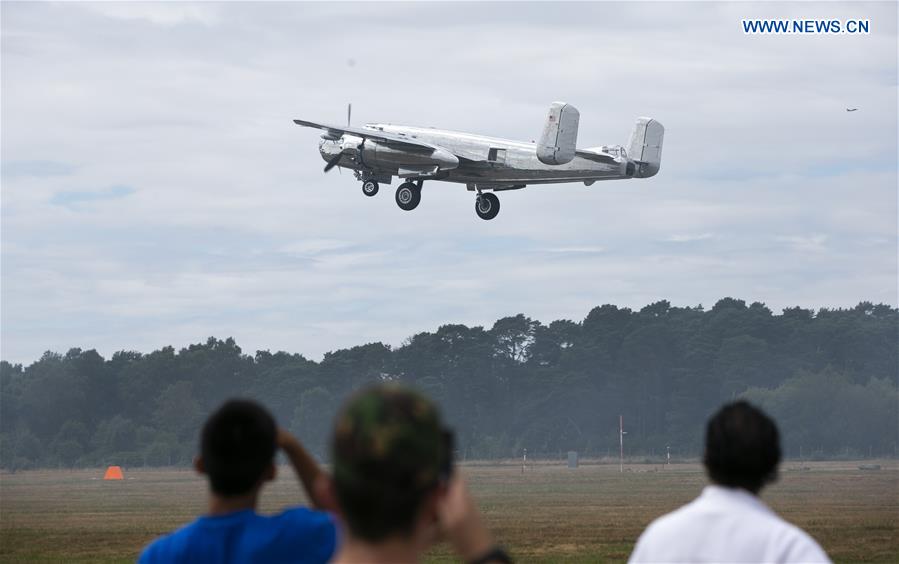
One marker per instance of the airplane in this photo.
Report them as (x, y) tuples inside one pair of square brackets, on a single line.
[(377, 152), (851, 109)]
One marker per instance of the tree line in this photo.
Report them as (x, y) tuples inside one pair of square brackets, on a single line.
[(829, 377)]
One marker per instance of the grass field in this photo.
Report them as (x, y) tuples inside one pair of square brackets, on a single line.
[(547, 514)]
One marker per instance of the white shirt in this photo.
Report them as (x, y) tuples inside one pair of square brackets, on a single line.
[(725, 525)]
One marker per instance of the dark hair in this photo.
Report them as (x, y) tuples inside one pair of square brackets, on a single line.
[(237, 445), (389, 451), (742, 447)]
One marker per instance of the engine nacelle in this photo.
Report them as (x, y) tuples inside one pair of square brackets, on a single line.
[(384, 156), (348, 146)]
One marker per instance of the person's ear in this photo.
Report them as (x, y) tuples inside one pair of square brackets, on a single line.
[(428, 528), (270, 473), (198, 465), (437, 498), (325, 494)]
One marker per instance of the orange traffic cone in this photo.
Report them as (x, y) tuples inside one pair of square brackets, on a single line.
[(114, 473)]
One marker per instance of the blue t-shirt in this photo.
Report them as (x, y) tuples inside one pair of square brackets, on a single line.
[(296, 535)]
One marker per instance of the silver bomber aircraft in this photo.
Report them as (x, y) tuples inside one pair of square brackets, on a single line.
[(377, 152)]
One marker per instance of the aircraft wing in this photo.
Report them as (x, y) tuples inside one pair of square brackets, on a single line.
[(393, 139)]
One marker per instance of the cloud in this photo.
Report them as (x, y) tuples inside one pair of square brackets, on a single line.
[(688, 238), (157, 13), (804, 243), (315, 246), (768, 191), (584, 250), (74, 199), (41, 169)]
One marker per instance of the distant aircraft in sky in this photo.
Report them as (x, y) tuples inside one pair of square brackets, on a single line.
[(851, 109), (377, 152)]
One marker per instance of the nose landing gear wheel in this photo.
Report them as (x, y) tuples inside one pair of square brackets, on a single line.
[(408, 196), (486, 205), (370, 188)]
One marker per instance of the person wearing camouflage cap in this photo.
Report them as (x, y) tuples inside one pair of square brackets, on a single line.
[(393, 484)]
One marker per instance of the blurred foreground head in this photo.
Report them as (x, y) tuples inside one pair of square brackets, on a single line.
[(237, 447), (390, 453), (742, 447)]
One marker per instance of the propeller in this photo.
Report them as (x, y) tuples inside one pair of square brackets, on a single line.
[(333, 162)]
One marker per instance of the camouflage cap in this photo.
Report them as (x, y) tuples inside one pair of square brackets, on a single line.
[(390, 438)]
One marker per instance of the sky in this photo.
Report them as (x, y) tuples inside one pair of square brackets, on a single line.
[(155, 191)]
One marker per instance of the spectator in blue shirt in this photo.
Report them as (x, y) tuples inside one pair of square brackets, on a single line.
[(237, 450)]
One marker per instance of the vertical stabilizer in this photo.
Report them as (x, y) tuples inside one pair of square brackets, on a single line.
[(645, 146), (558, 142)]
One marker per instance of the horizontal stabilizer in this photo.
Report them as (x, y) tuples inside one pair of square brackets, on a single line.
[(596, 156)]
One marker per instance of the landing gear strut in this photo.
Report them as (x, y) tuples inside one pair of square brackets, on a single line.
[(486, 205), (370, 188), (408, 195)]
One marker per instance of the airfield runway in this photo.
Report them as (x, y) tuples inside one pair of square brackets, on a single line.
[(546, 514)]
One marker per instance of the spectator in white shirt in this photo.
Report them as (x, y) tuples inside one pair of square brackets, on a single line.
[(728, 522)]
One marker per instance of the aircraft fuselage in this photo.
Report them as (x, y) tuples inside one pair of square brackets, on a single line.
[(378, 152), (487, 161)]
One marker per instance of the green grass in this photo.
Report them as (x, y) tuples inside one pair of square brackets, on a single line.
[(547, 514)]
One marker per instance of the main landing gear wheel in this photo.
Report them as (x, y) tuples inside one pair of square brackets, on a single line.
[(370, 188), (408, 196), (486, 205)]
